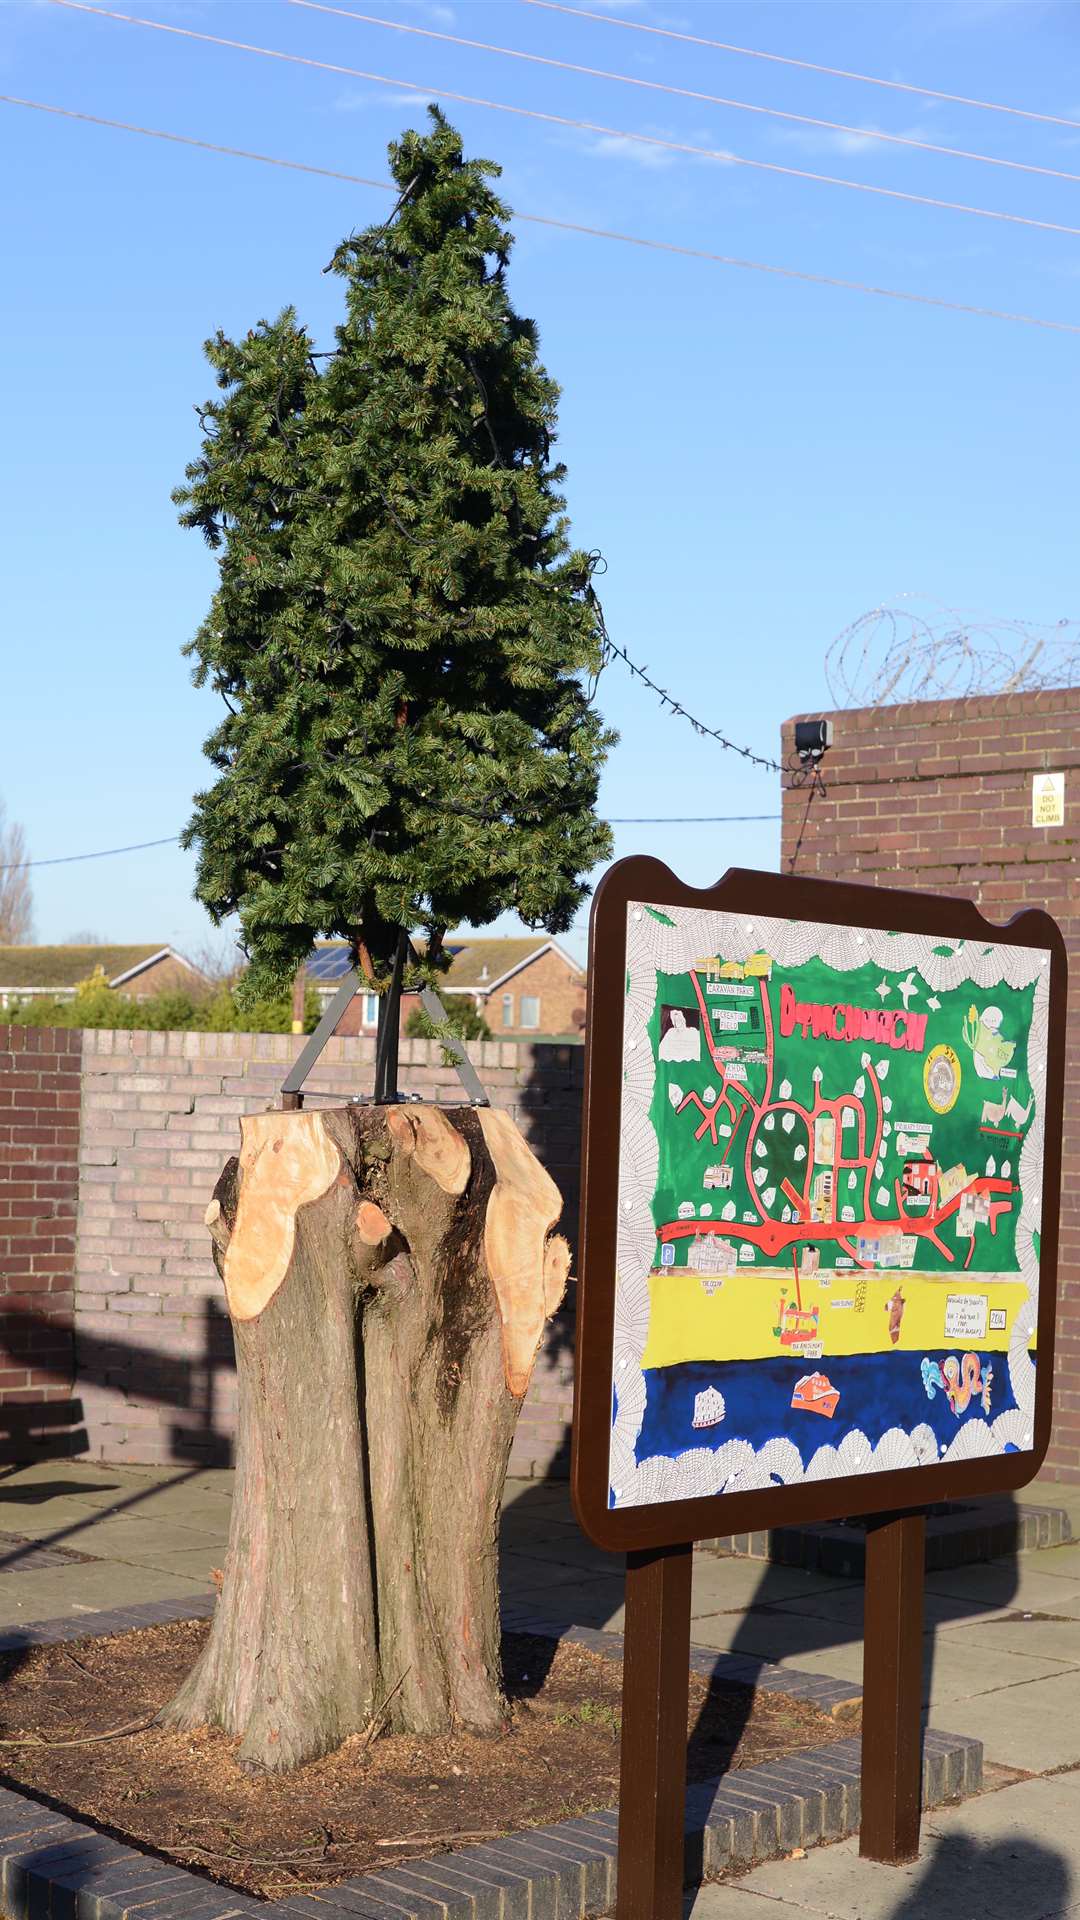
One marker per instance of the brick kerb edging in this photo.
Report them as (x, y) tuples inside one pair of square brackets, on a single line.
[(978, 1531), (53, 1868)]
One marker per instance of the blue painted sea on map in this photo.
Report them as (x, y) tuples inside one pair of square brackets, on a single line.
[(877, 1391)]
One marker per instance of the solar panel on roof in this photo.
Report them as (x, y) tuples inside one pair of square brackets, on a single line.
[(328, 963)]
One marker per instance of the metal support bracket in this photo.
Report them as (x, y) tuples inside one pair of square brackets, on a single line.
[(292, 1087)]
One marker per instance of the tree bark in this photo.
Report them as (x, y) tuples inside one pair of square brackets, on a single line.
[(388, 1272)]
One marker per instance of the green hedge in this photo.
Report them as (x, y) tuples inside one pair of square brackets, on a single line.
[(96, 1004)]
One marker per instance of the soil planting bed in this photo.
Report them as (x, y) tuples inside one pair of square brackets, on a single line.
[(373, 1802)]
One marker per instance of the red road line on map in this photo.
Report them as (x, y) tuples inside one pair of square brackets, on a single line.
[(773, 1236), (760, 1111), (731, 1136), (797, 1199), (872, 1156), (898, 1189), (708, 1113), (718, 1062), (763, 987)]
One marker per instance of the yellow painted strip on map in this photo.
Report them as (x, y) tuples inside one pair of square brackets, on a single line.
[(848, 1311)]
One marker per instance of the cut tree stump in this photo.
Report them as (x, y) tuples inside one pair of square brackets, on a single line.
[(388, 1272)]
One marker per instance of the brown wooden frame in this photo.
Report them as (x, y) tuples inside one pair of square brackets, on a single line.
[(644, 879)]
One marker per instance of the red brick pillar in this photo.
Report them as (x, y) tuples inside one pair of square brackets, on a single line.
[(40, 1073), (937, 795)]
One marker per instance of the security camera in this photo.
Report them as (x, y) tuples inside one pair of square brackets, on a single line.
[(813, 738)]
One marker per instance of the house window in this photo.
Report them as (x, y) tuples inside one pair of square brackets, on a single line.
[(371, 1009), (530, 1010), (508, 1010)]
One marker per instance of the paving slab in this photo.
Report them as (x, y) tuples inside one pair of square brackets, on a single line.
[(519, 1513), (546, 1551), (732, 1585), (87, 1589), (526, 1567), (79, 1500), (956, 1670), (723, 1583), (1012, 1855), (193, 1563), (845, 1606), (531, 1494), (1014, 1633), (81, 1482), (1014, 1583), (795, 1638), (1061, 1562), (580, 1606), (1034, 1725), (48, 1519), (139, 1540)]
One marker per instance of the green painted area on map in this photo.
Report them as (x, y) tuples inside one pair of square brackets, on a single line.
[(985, 1068)]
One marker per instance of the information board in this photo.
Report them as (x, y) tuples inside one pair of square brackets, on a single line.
[(820, 1202)]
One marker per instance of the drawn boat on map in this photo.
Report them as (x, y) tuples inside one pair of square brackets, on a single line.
[(815, 1393), (709, 1408)]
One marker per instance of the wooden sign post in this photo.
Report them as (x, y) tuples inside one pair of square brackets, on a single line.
[(822, 1157)]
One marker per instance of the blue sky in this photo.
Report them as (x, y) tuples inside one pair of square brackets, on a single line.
[(760, 460)]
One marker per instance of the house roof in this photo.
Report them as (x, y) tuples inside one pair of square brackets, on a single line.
[(501, 957), (64, 967)]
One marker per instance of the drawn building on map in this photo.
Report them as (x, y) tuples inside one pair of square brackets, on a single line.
[(952, 1182), (710, 1253), (918, 1178), (973, 1211), (821, 1194)]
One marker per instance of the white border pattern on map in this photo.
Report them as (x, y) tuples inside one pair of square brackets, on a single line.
[(735, 1466)]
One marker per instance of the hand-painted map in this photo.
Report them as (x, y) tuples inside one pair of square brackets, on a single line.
[(829, 1202)]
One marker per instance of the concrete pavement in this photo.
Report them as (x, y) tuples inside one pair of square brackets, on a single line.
[(1001, 1661), (1009, 1855)]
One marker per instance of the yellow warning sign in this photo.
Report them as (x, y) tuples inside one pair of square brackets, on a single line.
[(1048, 800)]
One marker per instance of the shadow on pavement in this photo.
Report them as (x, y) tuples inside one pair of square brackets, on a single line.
[(787, 1615), (963, 1874)]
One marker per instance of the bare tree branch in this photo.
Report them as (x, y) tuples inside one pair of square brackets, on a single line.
[(16, 892)]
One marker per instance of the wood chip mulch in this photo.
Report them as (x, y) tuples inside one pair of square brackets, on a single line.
[(392, 1798)]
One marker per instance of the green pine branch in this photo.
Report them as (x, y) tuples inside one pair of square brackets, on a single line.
[(402, 633)]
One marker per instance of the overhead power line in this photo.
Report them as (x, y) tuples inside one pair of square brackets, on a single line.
[(690, 819), (685, 93), (564, 226), (644, 820), (807, 66), (206, 146), (566, 120), (104, 853)]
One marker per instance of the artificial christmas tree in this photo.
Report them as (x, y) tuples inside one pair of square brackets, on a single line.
[(403, 638)]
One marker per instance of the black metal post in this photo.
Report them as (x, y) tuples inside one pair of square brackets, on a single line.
[(386, 1042)]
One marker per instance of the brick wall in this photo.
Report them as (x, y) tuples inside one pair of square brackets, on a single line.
[(160, 1114), (39, 1143), (937, 795)]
